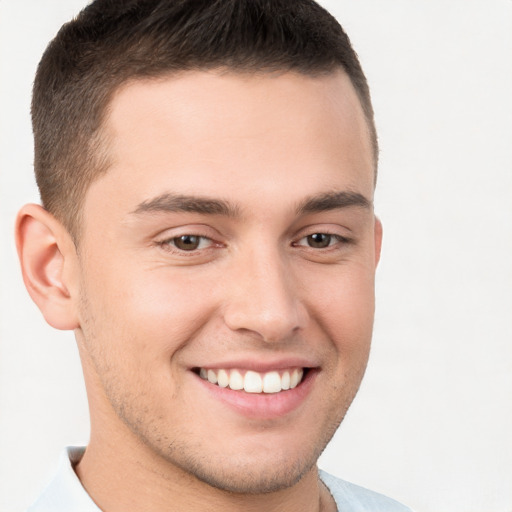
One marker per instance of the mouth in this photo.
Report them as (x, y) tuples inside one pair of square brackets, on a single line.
[(250, 381)]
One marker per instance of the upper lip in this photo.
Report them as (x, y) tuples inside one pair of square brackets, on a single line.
[(260, 365)]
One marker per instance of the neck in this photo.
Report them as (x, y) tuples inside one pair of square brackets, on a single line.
[(128, 479)]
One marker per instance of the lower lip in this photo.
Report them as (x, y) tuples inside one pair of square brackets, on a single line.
[(263, 405)]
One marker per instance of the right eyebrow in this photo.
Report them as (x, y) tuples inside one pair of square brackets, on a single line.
[(169, 202)]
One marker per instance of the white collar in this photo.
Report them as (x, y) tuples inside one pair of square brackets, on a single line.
[(65, 492)]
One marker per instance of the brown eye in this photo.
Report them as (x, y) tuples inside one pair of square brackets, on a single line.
[(319, 240), (187, 242)]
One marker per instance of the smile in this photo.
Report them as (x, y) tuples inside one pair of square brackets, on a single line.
[(254, 382)]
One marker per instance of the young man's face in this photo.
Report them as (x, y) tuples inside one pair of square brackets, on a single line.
[(232, 237)]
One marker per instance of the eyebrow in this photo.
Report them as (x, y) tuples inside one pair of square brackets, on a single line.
[(169, 202), (333, 201)]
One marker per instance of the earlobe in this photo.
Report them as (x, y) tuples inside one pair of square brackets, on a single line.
[(47, 256), (378, 239)]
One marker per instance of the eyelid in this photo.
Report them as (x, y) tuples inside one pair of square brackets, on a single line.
[(202, 230), (334, 230)]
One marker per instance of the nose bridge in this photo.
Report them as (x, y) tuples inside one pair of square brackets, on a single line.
[(263, 296)]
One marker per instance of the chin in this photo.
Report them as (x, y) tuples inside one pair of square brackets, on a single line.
[(238, 477), (255, 466)]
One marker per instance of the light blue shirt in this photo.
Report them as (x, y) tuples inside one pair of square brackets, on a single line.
[(66, 494)]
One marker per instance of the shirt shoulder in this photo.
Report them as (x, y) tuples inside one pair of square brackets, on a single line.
[(353, 498), (65, 492)]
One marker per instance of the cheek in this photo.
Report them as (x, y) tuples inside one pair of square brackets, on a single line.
[(148, 314), (342, 302)]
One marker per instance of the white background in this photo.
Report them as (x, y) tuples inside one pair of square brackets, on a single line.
[(432, 425)]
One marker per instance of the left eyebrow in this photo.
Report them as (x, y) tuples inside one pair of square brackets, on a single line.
[(333, 201)]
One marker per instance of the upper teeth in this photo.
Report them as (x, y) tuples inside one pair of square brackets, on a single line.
[(253, 382)]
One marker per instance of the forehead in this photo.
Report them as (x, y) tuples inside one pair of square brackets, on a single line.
[(215, 133)]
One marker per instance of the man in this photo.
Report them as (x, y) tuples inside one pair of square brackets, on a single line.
[(207, 171)]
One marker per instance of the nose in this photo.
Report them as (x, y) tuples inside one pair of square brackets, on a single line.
[(262, 299)]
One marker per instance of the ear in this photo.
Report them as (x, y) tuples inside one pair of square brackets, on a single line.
[(48, 261), (378, 239)]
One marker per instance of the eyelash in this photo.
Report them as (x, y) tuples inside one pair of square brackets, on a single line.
[(338, 239), (169, 244)]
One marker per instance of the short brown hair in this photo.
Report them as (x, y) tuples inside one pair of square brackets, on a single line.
[(112, 41)]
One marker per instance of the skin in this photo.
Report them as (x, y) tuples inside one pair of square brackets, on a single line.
[(254, 293)]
